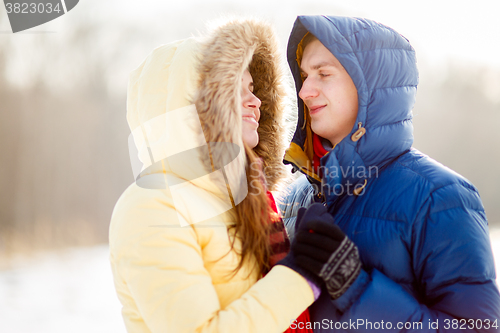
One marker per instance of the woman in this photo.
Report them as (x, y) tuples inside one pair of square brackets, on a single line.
[(183, 259)]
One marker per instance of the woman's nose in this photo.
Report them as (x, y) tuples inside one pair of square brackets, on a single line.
[(252, 101)]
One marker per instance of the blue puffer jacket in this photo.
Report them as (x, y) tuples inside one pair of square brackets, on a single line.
[(420, 228)]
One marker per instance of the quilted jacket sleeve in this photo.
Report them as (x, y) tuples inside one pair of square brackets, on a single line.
[(299, 194), (162, 281), (453, 263)]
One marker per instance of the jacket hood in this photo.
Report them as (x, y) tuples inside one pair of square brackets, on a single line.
[(184, 111), (382, 65), (227, 52)]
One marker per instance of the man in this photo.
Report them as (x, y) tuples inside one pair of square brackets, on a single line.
[(405, 245)]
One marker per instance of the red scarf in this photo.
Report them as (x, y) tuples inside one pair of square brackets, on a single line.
[(319, 152), (280, 247)]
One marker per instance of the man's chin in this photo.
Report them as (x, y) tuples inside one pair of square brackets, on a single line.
[(318, 130)]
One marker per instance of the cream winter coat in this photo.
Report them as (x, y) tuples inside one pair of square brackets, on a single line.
[(170, 246)]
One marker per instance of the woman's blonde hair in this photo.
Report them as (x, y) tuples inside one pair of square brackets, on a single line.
[(254, 218), (224, 55)]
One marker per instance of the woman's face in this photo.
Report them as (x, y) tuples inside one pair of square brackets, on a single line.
[(249, 111)]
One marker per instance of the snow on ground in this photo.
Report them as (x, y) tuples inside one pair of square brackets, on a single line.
[(54, 292), (72, 291)]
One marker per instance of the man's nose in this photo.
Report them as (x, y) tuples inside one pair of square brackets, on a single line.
[(308, 90)]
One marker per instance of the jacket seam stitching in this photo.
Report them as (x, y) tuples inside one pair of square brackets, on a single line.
[(428, 181), (371, 217), (438, 188), (457, 207), (378, 49), (365, 27), (393, 123), (393, 87)]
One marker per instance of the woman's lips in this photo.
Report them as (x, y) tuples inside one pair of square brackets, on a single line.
[(316, 109), (250, 119)]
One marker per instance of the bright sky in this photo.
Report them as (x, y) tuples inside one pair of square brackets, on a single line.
[(439, 29), (465, 32)]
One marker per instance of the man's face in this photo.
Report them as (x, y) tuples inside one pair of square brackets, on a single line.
[(328, 92)]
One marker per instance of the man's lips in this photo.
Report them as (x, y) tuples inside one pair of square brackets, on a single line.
[(316, 108)]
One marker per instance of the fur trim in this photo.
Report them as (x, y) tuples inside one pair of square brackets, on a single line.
[(227, 52)]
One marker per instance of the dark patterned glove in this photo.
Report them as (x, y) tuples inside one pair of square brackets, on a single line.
[(290, 261), (322, 248)]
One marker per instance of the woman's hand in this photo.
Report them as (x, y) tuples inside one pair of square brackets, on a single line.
[(290, 261)]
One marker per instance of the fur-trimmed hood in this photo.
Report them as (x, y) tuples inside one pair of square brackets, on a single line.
[(229, 50), (203, 76)]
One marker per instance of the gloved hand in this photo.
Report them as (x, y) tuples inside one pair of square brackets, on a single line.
[(323, 249), (314, 281)]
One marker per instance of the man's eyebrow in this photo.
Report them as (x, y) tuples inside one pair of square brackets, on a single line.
[(318, 66)]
